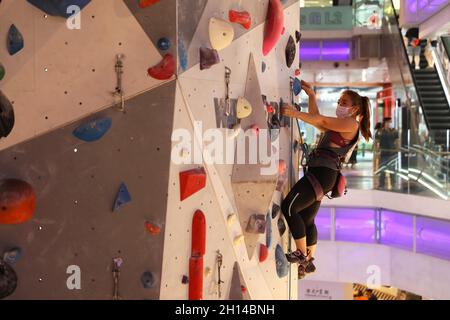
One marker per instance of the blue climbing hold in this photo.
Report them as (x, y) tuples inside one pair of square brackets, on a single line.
[(15, 40), (282, 265), (182, 54), (148, 280), (93, 130), (268, 230), (13, 255), (59, 7), (164, 44), (123, 197), (297, 86)]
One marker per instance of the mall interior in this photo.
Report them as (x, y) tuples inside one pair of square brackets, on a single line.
[(110, 115)]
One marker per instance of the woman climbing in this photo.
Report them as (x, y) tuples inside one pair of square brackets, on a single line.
[(324, 164)]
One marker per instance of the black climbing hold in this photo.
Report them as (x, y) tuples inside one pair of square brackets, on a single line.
[(185, 279), (281, 226), (8, 280), (275, 209), (298, 36), (6, 116), (263, 66), (15, 40), (290, 52), (208, 58), (148, 280), (59, 7)]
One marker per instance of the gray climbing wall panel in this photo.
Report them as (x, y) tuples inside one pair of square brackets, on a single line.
[(74, 223), (157, 20)]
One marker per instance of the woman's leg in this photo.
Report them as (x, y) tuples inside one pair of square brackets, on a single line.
[(300, 197)]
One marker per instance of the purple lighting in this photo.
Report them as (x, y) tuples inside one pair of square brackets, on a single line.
[(323, 223), (335, 50), (310, 50), (355, 225), (433, 237), (397, 230)]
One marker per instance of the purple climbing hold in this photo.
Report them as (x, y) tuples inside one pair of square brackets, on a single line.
[(290, 52), (123, 197), (208, 58), (256, 224), (185, 279)]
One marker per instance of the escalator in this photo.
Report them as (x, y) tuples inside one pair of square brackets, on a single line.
[(434, 102), (417, 89)]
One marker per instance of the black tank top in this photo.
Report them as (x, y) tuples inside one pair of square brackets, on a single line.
[(327, 155)]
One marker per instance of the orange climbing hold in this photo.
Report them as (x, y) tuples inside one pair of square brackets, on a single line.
[(164, 70), (147, 3), (152, 228), (191, 182), (17, 201), (241, 17)]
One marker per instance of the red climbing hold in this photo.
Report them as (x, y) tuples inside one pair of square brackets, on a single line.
[(297, 72), (147, 3), (164, 70), (152, 228), (243, 289), (274, 26), (198, 234), (241, 17), (269, 108), (284, 29), (197, 252), (263, 252), (191, 182), (17, 201)]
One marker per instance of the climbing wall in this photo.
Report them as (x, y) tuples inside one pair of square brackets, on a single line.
[(63, 80)]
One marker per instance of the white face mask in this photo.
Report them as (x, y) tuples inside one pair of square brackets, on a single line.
[(342, 112)]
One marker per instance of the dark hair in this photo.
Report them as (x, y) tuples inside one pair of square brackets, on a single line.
[(363, 104), (378, 126)]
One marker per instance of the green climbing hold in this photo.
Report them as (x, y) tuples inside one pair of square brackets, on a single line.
[(2, 71)]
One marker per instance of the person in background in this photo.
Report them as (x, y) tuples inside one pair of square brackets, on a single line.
[(413, 46), (388, 148), (376, 150)]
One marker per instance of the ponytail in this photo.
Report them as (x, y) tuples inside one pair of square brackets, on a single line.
[(364, 111), (364, 124)]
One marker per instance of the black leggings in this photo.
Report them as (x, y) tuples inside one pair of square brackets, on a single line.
[(300, 206)]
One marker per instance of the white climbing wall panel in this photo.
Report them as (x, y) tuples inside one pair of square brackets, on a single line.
[(62, 75), (195, 102)]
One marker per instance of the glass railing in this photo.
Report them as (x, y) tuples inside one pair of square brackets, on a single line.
[(402, 230)]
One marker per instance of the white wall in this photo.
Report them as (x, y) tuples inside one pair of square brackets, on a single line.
[(352, 262)]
